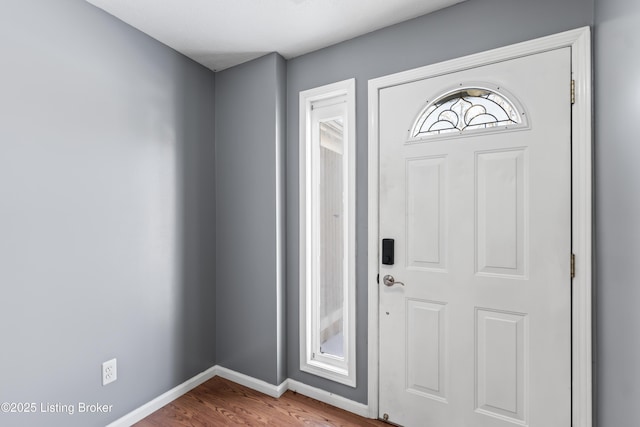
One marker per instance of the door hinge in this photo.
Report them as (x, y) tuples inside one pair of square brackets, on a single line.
[(573, 266), (378, 278), (573, 92)]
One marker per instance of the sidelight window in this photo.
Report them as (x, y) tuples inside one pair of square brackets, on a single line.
[(327, 231)]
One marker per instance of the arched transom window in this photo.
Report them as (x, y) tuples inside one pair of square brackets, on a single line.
[(466, 109)]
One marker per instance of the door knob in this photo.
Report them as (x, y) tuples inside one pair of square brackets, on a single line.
[(388, 280)]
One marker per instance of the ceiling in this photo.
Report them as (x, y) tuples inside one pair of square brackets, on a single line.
[(222, 33)]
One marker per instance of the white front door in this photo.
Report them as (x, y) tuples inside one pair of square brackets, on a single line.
[(480, 333)]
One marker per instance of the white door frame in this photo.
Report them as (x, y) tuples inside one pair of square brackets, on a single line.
[(579, 41)]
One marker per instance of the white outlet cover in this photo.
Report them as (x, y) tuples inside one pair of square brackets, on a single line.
[(109, 371)]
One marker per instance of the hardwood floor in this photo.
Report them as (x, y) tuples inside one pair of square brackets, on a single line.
[(220, 402)]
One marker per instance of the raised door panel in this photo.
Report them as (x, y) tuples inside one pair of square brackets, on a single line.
[(426, 349), (426, 213), (501, 364), (501, 215)]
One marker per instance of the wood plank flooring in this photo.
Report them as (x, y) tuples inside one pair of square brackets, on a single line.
[(219, 402)]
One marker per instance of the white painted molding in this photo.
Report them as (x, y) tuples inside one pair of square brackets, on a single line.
[(247, 381), (373, 249), (582, 224), (579, 40), (157, 403), (312, 101), (556, 41), (329, 398), (253, 383)]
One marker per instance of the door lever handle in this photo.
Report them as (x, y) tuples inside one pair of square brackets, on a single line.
[(388, 280)]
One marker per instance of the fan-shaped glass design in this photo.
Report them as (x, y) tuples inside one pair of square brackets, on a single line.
[(466, 109)]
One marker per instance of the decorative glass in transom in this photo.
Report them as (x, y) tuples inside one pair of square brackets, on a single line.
[(466, 109)]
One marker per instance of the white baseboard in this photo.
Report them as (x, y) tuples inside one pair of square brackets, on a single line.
[(247, 381), (252, 383), (329, 398), (157, 403)]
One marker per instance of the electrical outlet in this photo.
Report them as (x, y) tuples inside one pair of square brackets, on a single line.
[(109, 371)]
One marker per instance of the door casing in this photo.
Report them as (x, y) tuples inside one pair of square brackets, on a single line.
[(579, 41)]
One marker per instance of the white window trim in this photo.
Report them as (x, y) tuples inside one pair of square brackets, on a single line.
[(311, 361)]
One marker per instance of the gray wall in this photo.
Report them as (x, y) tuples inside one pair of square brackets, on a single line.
[(106, 212), (108, 204), (249, 186), (617, 71), (470, 27)]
